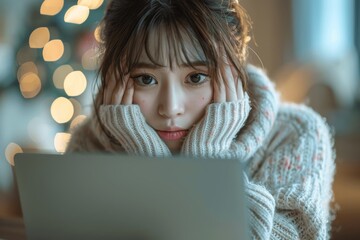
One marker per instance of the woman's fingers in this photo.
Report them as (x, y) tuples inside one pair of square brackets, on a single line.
[(231, 91), (228, 88), (219, 90), (225, 89), (129, 93), (117, 93), (108, 92)]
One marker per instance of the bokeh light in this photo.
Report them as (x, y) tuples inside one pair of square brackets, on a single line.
[(77, 106), (53, 50), (97, 34), (60, 74), (77, 121), (11, 150), (39, 37), (27, 67), (26, 54), (91, 4), (51, 7), (89, 59), (75, 83), (77, 14), (60, 141), (62, 110), (30, 85)]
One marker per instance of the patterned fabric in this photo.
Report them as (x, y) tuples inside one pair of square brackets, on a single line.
[(287, 150)]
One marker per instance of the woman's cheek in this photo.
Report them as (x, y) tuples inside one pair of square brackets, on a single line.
[(143, 102), (198, 104)]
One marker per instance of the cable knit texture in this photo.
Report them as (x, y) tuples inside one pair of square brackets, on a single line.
[(287, 151), (207, 139), (128, 126)]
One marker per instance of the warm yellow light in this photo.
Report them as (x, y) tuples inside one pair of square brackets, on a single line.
[(77, 121), (51, 7), (30, 85), (75, 83), (11, 150), (60, 141), (27, 68), (26, 54), (60, 74), (89, 60), (62, 110), (97, 34), (53, 50), (77, 14), (77, 106), (92, 4), (39, 37)]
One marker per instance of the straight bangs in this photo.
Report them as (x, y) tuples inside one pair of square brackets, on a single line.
[(168, 41)]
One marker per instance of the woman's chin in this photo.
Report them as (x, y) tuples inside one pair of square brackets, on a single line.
[(174, 145)]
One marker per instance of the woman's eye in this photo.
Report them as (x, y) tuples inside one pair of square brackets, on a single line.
[(198, 78), (144, 80)]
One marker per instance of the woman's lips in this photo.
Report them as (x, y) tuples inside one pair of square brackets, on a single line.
[(172, 135)]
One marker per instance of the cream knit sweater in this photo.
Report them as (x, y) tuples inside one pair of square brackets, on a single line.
[(287, 150)]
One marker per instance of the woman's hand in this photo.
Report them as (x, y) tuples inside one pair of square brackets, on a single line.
[(127, 124), (213, 135), (229, 87), (117, 93)]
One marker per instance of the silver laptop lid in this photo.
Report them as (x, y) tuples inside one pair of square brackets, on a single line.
[(111, 196)]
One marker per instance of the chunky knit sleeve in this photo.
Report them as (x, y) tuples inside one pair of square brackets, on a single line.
[(290, 191), (214, 134), (128, 126), (126, 130), (90, 137)]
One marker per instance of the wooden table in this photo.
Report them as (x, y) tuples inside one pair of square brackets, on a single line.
[(12, 229)]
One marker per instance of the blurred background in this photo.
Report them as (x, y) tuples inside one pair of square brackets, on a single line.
[(48, 56)]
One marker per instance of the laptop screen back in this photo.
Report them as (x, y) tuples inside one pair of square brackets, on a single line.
[(112, 196)]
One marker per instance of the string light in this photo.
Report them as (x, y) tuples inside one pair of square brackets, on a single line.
[(75, 83), (51, 7), (77, 121), (62, 110), (27, 68), (11, 150), (39, 37), (89, 59), (29, 74), (77, 14), (97, 34), (77, 106), (30, 85), (26, 54), (60, 74), (60, 141), (53, 50), (91, 4)]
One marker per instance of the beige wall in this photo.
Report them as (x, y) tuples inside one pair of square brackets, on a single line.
[(272, 30)]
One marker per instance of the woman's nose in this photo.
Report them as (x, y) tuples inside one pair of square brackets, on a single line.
[(171, 102)]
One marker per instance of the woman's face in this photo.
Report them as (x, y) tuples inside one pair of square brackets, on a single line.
[(173, 99)]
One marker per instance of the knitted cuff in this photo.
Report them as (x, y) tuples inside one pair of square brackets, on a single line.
[(213, 135), (127, 124), (261, 206)]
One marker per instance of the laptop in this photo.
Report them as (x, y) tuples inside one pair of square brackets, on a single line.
[(116, 196)]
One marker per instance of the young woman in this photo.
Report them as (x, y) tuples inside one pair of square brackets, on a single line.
[(175, 81)]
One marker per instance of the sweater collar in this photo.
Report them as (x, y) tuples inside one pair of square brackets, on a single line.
[(265, 104)]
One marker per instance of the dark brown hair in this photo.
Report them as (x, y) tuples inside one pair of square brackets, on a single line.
[(209, 24)]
